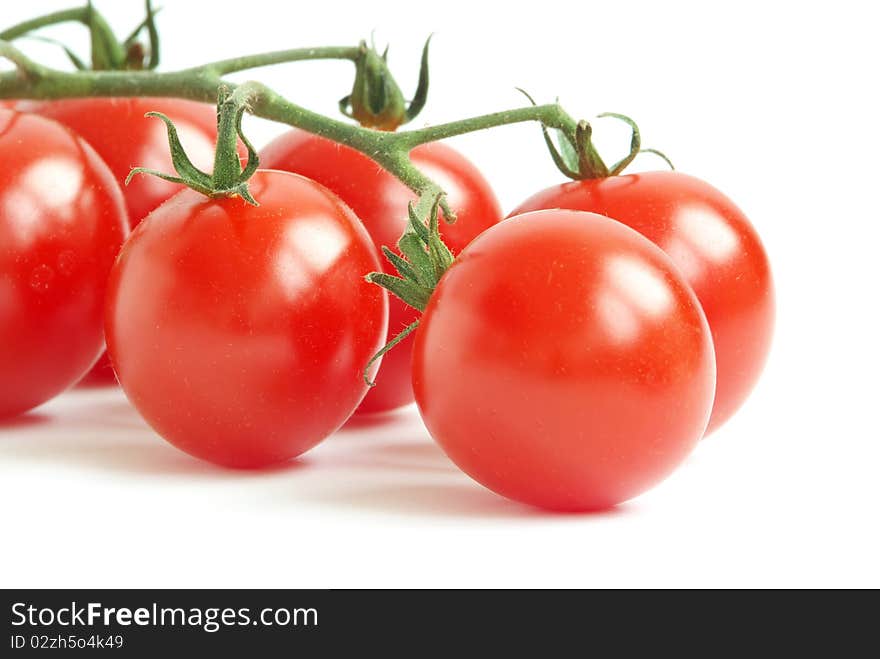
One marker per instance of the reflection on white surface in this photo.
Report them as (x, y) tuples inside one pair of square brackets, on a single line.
[(309, 248), (633, 289), (50, 183), (701, 236)]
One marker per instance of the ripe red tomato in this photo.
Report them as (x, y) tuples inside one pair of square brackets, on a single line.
[(124, 138), (563, 362), (714, 246), (240, 333), (380, 201), (62, 221)]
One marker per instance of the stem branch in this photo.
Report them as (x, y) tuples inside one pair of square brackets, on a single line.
[(79, 14), (236, 64), (389, 150)]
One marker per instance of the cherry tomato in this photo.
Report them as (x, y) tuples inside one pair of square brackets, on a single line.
[(563, 362), (380, 201), (240, 333), (62, 221), (125, 138), (714, 246)]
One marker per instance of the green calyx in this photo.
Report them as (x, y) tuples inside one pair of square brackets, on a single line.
[(376, 100), (229, 178), (108, 53), (576, 156), (425, 259)]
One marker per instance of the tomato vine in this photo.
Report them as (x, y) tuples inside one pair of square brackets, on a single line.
[(390, 150)]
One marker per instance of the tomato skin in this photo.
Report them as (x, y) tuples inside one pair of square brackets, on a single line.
[(240, 333), (62, 221), (563, 362), (715, 247), (125, 138), (380, 201)]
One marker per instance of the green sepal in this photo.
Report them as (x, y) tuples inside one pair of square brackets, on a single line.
[(409, 329), (189, 173), (567, 150), (590, 164), (424, 261), (345, 106), (576, 157), (562, 157), (134, 50), (413, 249), (253, 156), (376, 100), (417, 104), (228, 179), (410, 292), (635, 144), (77, 62), (404, 269), (565, 156), (416, 225), (107, 53), (439, 254), (167, 177), (660, 155), (242, 190)]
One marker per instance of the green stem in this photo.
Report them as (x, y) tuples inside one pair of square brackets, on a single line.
[(79, 15), (235, 64), (389, 150), (552, 116), (227, 168)]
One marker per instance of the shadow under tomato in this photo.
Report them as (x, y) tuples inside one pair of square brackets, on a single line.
[(138, 454), (105, 432), (400, 456), (96, 383), (26, 420), (375, 420), (453, 500)]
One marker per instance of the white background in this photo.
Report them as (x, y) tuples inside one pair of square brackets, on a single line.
[(775, 103)]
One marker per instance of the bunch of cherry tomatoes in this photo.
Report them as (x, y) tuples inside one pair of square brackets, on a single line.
[(570, 357)]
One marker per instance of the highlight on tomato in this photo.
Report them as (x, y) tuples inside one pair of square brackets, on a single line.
[(240, 331), (116, 127), (380, 200), (118, 130), (561, 360), (712, 243), (62, 221), (123, 136)]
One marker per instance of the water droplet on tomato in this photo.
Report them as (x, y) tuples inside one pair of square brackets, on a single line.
[(41, 277)]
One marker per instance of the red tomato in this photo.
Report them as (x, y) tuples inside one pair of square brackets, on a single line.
[(240, 333), (714, 246), (124, 138), (380, 201), (62, 221), (563, 362)]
